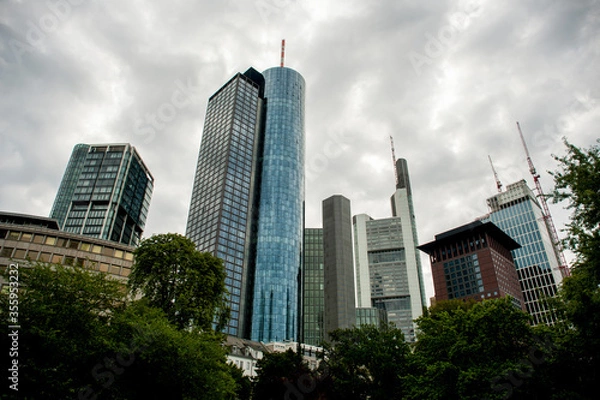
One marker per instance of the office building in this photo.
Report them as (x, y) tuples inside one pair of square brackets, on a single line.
[(275, 314), (27, 239), (518, 213), (474, 261), (105, 193), (339, 312), (312, 288), (248, 195), (388, 267)]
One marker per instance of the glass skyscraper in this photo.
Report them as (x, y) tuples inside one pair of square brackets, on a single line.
[(517, 212), (247, 199), (388, 267), (312, 287), (281, 209), (105, 193)]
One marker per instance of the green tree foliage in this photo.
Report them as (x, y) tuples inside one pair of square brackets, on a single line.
[(79, 339), (279, 374), (474, 352), (188, 285), (366, 362), (577, 182)]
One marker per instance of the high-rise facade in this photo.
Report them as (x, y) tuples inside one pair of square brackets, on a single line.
[(474, 261), (223, 209), (248, 196), (339, 312), (105, 193), (518, 213), (281, 209), (388, 267), (312, 288)]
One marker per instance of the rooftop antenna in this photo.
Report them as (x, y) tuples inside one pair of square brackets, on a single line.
[(498, 183), (394, 159), (282, 51), (547, 217)]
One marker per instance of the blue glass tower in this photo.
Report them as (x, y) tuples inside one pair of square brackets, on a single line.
[(281, 214), (518, 213)]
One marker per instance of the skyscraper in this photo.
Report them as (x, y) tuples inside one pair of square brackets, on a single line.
[(339, 312), (281, 209), (312, 287), (518, 213), (388, 267), (248, 196), (105, 193), (474, 261)]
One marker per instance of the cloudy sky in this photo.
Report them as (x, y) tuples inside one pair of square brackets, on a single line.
[(447, 79)]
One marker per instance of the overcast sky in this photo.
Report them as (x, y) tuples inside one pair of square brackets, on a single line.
[(447, 79)]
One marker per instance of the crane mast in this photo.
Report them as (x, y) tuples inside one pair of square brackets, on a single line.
[(547, 217), (498, 183)]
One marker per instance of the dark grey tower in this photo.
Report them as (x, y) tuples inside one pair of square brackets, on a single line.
[(105, 193), (338, 265)]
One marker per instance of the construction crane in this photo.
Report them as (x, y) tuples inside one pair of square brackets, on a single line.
[(498, 183), (394, 159), (547, 217)]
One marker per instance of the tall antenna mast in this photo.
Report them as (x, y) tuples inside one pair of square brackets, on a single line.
[(282, 51), (498, 183), (547, 217), (394, 159)]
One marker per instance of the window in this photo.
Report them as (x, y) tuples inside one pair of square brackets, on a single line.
[(6, 252)]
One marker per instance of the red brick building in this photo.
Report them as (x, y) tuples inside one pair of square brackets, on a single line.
[(474, 262)]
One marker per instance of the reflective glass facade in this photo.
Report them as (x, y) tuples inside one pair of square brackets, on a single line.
[(223, 207), (280, 223), (517, 212), (105, 193), (313, 298)]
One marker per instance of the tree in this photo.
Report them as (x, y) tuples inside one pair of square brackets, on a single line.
[(279, 374), (188, 285), (482, 351), (64, 314), (366, 362), (577, 182), (81, 339)]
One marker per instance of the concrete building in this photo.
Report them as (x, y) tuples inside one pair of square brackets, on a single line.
[(105, 193), (474, 261), (518, 213), (339, 312), (26, 239)]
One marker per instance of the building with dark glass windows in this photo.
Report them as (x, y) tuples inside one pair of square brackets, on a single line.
[(248, 195), (474, 261), (312, 288), (105, 193)]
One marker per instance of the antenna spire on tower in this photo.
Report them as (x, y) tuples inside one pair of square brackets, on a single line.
[(394, 159), (282, 51)]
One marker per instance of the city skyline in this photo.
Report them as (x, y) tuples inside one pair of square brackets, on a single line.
[(105, 73)]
